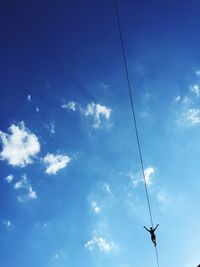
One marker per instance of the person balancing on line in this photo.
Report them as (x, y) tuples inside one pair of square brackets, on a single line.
[(152, 233)]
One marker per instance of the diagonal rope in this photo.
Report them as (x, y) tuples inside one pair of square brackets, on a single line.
[(157, 259), (134, 117), (133, 111)]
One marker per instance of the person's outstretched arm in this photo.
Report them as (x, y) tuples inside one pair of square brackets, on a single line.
[(156, 227), (146, 229)]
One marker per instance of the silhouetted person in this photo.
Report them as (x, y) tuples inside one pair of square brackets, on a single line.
[(152, 232)]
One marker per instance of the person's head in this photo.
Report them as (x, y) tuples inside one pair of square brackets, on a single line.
[(151, 228)]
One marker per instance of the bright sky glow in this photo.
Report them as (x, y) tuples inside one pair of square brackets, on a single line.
[(72, 192)]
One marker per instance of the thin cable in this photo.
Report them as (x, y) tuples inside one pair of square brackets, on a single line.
[(157, 259), (134, 118), (133, 109)]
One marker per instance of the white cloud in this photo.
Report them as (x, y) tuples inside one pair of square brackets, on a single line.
[(54, 163), (192, 116), (18, 185), (148, 172), (95, 207), (161, 197), (107, 188), (177, 98), (29, 98), (51, 127), (101, 243), (188, 113), (20, 146), (104, 85), (9, 178), (138, 177), (195, 89), (7, 224), (97, 111), (32, 194), (25, 185), (197, 73), (135, 178), (187, 100), (70, 105)]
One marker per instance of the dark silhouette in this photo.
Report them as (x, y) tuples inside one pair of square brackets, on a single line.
[(152, 232), (198, 265)]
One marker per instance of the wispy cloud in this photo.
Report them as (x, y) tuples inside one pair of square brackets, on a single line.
[(197, 72), (70, 105), (187, 109), (177, 98), (9, 178), (102, 202), (195, 88), (148, 172), (54, 163), (95, 207), (162, 197), (100, 243), (51, 127), (27, 191), (95, 111), (106, 187), (104, 85), (7, 224), (192, 116), (138, 177), (187, 115), (20, 146), (29, 98)]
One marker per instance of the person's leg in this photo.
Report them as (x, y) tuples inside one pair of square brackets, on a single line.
[(153, 240)]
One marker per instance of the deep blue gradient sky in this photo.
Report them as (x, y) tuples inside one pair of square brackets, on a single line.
[(70, 177)]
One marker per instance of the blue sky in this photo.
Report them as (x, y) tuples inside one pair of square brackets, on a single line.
[(70, 184)]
